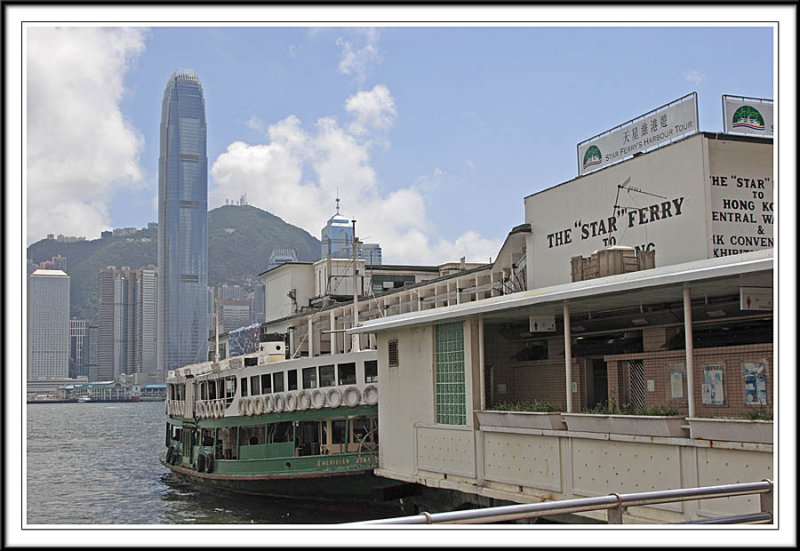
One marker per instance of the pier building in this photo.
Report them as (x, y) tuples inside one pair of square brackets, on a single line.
[(641, 334)]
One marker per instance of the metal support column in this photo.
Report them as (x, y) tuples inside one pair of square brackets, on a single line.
[(568, 355), (687, 328)]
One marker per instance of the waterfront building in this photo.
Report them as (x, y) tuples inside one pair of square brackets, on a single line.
[(182, 224), (48, 324), (642, 290), (127, 325)]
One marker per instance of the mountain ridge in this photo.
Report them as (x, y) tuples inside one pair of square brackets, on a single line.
[(240, 240)]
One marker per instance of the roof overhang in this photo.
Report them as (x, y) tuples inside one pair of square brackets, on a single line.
[(712, 277)]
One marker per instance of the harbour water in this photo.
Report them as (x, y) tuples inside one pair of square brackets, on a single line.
[(97, 464)]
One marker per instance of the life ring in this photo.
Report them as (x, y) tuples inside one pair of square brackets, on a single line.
[(209, 463), (278, 403), (269, 404), (218, 407), (251, 406), (317, 399), (303, 400), (371, 394), (258, 406), (201, 463), (291, 401), (352, 397), (334, 398), (242, 406)]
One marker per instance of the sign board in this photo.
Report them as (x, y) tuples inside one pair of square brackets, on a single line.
[(543, 324), (661, 125), (752, 116), (755, 298)]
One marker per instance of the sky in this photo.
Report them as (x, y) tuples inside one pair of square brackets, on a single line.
[(431, 136)]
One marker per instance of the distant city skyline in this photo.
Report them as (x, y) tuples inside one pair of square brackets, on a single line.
[(48, 324), (432, 135)]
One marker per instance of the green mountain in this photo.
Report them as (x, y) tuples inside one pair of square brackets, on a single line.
[(240, 241)]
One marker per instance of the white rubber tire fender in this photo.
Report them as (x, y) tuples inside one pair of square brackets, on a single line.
[(278, 403), (291, 401), (352, 397), (242, 406), (269, 404), (317, 399), (371, 394), (333, 398), (303, 400), (258, 405)]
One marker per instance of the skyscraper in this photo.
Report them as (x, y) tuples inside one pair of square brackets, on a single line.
[(182, 224), (126, 316), (48, 324)]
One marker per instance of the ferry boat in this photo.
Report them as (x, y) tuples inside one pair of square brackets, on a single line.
[(264, 424)]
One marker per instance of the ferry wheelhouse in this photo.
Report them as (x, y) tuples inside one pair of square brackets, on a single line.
[(264, 424)]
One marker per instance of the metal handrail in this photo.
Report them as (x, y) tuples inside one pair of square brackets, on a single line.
[(613, 503)]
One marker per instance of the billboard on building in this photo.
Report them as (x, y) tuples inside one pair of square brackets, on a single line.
[(698, 198), (661, 125), (751, 116)]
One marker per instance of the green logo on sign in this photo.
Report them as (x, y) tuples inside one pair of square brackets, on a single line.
[(748, 117), (592, 156)]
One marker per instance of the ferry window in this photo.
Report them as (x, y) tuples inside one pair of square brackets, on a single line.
[(230, 387), (371, 371), (347, 374), (280, 432), (251, 436), (207, 437), (203, 391), (277, 381), (212, 390), (394, 355), (337, 431), (244, 386), (266, 384), (292, 374), (327, 376), (250, 361), (255, 387), (310, 377)]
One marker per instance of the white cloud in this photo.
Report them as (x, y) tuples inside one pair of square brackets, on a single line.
[(694, 77), (80, 147), (298, 173), (359, 61), (374, 110)]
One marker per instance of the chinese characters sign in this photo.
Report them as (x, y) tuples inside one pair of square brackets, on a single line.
[(659, 126)]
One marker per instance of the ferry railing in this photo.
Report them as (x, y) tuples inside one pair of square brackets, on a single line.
[(614, 504)]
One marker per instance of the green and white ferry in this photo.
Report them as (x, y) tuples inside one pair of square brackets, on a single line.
[(264, 424)]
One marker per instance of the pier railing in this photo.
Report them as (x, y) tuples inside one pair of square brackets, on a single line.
[(614, 504)]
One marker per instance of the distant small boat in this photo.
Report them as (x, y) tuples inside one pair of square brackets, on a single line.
[(84, 399)]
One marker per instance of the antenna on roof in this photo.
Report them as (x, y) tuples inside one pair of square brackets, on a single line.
[(337, 199)]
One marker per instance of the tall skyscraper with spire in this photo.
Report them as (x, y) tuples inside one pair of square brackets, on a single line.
[(182, 224)]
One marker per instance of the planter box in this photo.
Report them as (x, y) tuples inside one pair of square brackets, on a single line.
[(522, 419), (649, 425), (588, 422), (731, 430), (639, 425)]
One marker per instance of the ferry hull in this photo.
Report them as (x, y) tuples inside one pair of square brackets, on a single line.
[(359, 485)]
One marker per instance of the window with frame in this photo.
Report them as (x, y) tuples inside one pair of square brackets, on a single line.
[(255, 386), (327, 375), (310, 377), (371, 371), (292, 375), (244, 386), (277, 381), (451, 400), (347, 374)]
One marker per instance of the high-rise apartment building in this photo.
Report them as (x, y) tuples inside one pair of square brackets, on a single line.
[(48, 324), (78, 357), (127, 325), (182, 224)]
